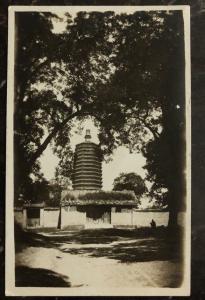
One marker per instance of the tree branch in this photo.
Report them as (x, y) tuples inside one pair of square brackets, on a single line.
[(48, 139), (154, 133)]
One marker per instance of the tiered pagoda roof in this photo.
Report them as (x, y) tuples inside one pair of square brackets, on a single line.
[(87, 173)]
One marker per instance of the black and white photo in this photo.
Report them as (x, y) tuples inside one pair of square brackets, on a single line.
[(98, 194)]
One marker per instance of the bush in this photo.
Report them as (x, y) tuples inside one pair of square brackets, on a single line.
[(115, 195)]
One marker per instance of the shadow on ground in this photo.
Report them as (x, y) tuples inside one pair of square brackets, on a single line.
[(150, 249), (37, 277), (136, 245), (123, 245)]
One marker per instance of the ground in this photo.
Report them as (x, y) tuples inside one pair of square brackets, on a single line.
[(105, 258)]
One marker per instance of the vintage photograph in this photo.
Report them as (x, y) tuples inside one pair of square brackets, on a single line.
[(98, 151)]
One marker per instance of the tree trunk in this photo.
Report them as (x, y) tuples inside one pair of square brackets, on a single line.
[(173, 213), (60, 218)]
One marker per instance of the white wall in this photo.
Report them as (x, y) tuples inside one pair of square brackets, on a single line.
[(139, 218), (121, 218), (51, 217), (143, 218), (72, 217)]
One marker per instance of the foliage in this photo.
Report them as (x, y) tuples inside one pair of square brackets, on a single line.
[(54, 195), (56, 186), (130, 181), (54, 202), (36, 192), (101, 195), (32, 60)]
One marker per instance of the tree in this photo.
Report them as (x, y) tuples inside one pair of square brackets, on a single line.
[(125, 71), (36, 192), (55, 87), (33, 57), (155, 108), (130, 182)]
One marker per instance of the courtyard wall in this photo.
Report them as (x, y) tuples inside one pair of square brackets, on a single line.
[(51, 217), (70, 216), (73, 216)]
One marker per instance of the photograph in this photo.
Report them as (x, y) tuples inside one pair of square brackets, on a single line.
[(98, 161)]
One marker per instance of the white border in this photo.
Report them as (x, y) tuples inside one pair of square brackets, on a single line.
[(11, 290)]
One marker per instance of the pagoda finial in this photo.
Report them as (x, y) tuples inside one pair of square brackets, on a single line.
[(87, 135)]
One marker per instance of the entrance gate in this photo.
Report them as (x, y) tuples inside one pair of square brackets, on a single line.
[(98, 216), (33, 217)]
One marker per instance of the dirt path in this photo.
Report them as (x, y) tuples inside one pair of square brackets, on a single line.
[(83, 270)]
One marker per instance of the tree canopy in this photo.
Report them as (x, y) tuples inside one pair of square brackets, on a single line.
[(130, 182)]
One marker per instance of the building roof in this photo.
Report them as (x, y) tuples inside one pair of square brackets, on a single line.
[(125, 198), (100, 202)]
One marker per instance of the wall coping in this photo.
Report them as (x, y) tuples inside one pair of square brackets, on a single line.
[(51, 208), (34, 205), (151, 210)]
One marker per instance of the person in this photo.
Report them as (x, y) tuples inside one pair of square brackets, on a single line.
[(153, 224)]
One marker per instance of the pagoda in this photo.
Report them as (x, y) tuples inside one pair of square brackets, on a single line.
[(87, 174)]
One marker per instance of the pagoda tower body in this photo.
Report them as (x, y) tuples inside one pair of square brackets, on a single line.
[(87, 174)]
